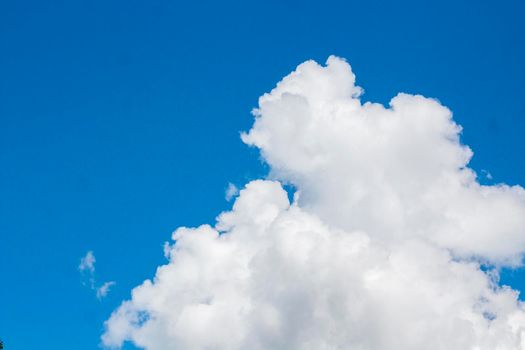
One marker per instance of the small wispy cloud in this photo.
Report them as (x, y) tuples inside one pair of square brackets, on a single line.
[(488, 175), (103, 290), (87, 269), (231, 191), (87, 262)]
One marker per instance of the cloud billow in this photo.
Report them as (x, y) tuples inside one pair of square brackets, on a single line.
[(381, 248)]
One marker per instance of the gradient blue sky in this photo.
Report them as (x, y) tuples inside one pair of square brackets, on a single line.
[(120, 122)]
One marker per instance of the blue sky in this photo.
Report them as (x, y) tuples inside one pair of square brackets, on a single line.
[(120, 122)]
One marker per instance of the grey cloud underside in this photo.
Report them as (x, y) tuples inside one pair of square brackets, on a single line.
[(381, 248)]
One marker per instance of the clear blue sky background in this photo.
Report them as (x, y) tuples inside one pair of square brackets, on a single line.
[(119, 122)]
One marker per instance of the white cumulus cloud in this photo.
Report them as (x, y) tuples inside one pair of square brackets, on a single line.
[(382, 247)]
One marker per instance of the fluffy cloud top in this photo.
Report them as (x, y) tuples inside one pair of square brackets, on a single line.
[(396, 173), (380, 249)]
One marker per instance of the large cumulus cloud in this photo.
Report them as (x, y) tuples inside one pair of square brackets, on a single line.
[(381, 247)]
